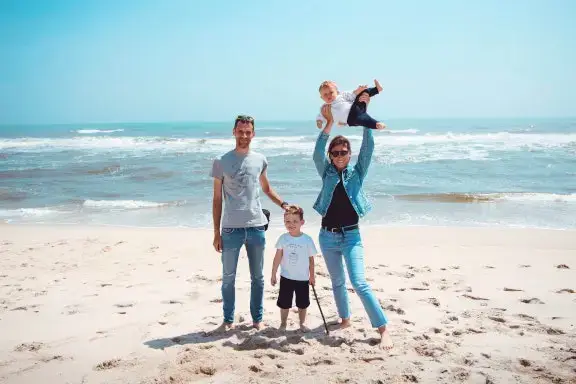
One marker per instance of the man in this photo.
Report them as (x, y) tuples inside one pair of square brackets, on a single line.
[(238, 176)]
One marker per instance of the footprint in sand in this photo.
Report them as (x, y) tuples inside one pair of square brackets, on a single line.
[(513, 290), (566, 290), (525, 266), (124, 305), (562, 266), (497, 319), (533, 300), (474, 297), (29, 347), (108, 364)]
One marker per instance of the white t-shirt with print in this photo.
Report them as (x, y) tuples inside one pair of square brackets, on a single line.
[(295, 264), (340, 108)]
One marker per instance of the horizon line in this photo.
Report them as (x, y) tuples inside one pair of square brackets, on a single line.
[(277, 121)]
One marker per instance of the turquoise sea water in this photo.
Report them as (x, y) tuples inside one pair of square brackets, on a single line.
[(482, 172)]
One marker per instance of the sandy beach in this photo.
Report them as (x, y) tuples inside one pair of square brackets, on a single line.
[(127, 305)]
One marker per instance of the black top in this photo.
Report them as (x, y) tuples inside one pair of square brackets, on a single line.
[(340, 212)]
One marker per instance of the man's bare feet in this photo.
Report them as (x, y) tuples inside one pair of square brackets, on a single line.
[(282, 327), (304, 328), (378, 86), (258, 326), (385, 339), (380, 126), (223, 328)]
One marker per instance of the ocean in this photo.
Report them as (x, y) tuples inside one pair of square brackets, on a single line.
[(431, 172)]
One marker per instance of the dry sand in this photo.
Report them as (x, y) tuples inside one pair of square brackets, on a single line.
[(119, 305)]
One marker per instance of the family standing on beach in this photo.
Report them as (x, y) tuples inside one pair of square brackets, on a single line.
[(239, 176)]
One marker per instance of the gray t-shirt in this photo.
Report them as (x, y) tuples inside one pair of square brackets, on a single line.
[(240, 175)]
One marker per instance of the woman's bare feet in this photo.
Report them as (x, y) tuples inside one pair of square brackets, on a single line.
[(345, 323), (385, 339)]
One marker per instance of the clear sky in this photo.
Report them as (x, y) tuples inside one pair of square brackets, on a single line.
[(70, 61)]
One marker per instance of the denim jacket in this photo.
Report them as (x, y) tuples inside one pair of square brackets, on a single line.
[(352, 176)]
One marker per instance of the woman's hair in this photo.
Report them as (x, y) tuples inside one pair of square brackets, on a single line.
[(339, 140)]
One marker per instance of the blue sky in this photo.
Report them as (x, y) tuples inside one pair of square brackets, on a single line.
[(175, 60)]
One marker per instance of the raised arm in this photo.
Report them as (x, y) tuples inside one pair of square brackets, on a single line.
[(320, 160), (366, 151)]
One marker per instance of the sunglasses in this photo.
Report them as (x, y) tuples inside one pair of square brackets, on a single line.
[(338, 153), (244, 119)]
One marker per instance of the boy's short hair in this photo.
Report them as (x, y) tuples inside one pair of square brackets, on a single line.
[(294, 210), (327, 84)]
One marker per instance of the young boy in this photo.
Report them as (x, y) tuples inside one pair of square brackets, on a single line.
[(295, 252), (346, 108)]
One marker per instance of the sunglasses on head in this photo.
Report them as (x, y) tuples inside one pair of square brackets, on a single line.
[(245, 119), (338, 153)]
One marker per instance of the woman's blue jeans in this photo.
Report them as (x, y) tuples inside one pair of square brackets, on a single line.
[(348, 246)]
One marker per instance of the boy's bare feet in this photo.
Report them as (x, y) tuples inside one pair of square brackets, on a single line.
[(380, 126), (304, 328), (378, 86), (385, 339), (223, 328), (258, 326)]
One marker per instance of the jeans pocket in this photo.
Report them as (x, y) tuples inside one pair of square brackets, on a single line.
[(227, 230), (262, 228)]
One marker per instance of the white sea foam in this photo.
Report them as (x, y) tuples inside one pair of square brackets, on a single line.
[(27, 212), (91, 131), (121, 204)]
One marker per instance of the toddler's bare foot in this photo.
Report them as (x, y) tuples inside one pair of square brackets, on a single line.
[(385, 340), (380, 126), (304, 328), (378, 86)]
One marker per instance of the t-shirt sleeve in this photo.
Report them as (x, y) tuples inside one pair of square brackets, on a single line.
[(264, 164), (349, 96), (217, 171), (280, 242), (312, 251)]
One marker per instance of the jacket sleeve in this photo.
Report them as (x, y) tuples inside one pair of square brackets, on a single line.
[(319, 156), (365, 155)]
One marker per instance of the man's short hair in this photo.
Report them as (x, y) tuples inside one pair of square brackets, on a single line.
[(294, 210), (244, 119)]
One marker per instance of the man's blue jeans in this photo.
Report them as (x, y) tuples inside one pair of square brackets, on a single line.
[(348, 246), (254, 240)]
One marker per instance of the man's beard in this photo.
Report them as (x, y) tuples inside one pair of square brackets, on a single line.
[(242, 143)]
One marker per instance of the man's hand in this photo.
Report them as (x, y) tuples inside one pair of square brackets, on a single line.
[(273, 280), (312, 280), (360, 89), (217, 242), (319, 124)]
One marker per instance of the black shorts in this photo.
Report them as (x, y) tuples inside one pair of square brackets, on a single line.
[(287, 289)]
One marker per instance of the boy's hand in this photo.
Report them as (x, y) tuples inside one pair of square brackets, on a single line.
[(273, 280), (312, 280), (319, 124), (378, 86)]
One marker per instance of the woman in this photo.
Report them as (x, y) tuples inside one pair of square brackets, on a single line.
[(341, 203)]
